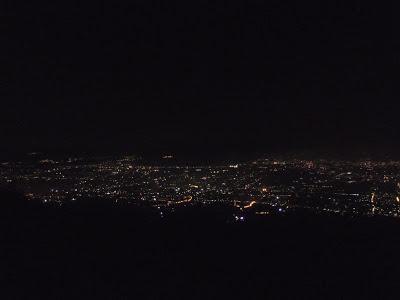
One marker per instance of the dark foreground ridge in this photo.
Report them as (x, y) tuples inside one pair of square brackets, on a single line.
[(97, 251)]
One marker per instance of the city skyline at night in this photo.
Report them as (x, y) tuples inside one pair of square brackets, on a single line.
[(199, 150)]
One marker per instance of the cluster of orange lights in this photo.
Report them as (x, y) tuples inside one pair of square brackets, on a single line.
[(184, 200), (250, 204)]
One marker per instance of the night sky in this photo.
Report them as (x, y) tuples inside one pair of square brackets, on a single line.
[(199, 76)]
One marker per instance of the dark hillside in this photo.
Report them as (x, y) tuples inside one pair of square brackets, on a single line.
[(94, 252)]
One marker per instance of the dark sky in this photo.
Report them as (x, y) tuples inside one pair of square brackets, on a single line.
[(199, 76)]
